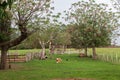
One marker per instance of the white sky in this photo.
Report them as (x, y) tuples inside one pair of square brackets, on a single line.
[(62, 5)]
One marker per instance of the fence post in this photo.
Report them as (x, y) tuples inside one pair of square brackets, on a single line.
[(116, 58)]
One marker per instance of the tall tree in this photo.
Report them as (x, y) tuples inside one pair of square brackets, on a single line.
[(94, 25), (5, 30), (63, 39), (22, 15)]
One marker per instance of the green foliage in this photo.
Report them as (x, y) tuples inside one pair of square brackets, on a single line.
[(5, 27), (27, 16), (5, 20), (3, 7), (93, 24), (63, 38)]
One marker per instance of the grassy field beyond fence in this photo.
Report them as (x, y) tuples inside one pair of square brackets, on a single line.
[(107, 54), (106, 51)]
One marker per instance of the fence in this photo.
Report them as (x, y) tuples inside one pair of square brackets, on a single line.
[(16, 58), (22, 58), (109, 58)]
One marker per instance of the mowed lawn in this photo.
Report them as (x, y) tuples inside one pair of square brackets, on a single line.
[(72, 66)]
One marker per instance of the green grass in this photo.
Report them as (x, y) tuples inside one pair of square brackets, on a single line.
[(23, 51), (106, 51), (71, 67)]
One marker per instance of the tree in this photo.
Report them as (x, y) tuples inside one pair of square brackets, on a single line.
[(53, 32), (63, 38), (94, 25), (78, 39), (20, 15), (43, 37)]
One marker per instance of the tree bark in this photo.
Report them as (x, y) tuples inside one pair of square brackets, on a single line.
[(86, 51), (94, 53), (63, 51), (50, 47), (3, 64), (42, 54), (8, 44), (16, 41)]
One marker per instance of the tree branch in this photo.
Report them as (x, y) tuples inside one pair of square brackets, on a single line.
[(16, 41), (39, 6)]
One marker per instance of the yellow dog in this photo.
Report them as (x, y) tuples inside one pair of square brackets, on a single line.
[(58, 60)]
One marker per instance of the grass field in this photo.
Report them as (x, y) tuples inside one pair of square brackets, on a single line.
[(71, 67), (105, 54), (23, 51), (106, 51)]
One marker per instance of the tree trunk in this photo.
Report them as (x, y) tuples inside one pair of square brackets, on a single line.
[(3, 64), (50, 47), (63, 51), (86, 51), (94, 53), (42, 56)]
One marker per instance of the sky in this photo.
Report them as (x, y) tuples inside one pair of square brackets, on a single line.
[(62, 5)]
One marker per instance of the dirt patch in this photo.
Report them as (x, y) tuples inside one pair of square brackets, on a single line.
[(75, 79)]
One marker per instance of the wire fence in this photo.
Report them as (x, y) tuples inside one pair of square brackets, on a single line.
[(109, 58)]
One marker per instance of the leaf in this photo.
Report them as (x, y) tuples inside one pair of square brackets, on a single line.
[(4, 5)]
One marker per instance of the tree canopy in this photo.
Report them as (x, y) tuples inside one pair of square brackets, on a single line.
[(93, 24), (20, 15)]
